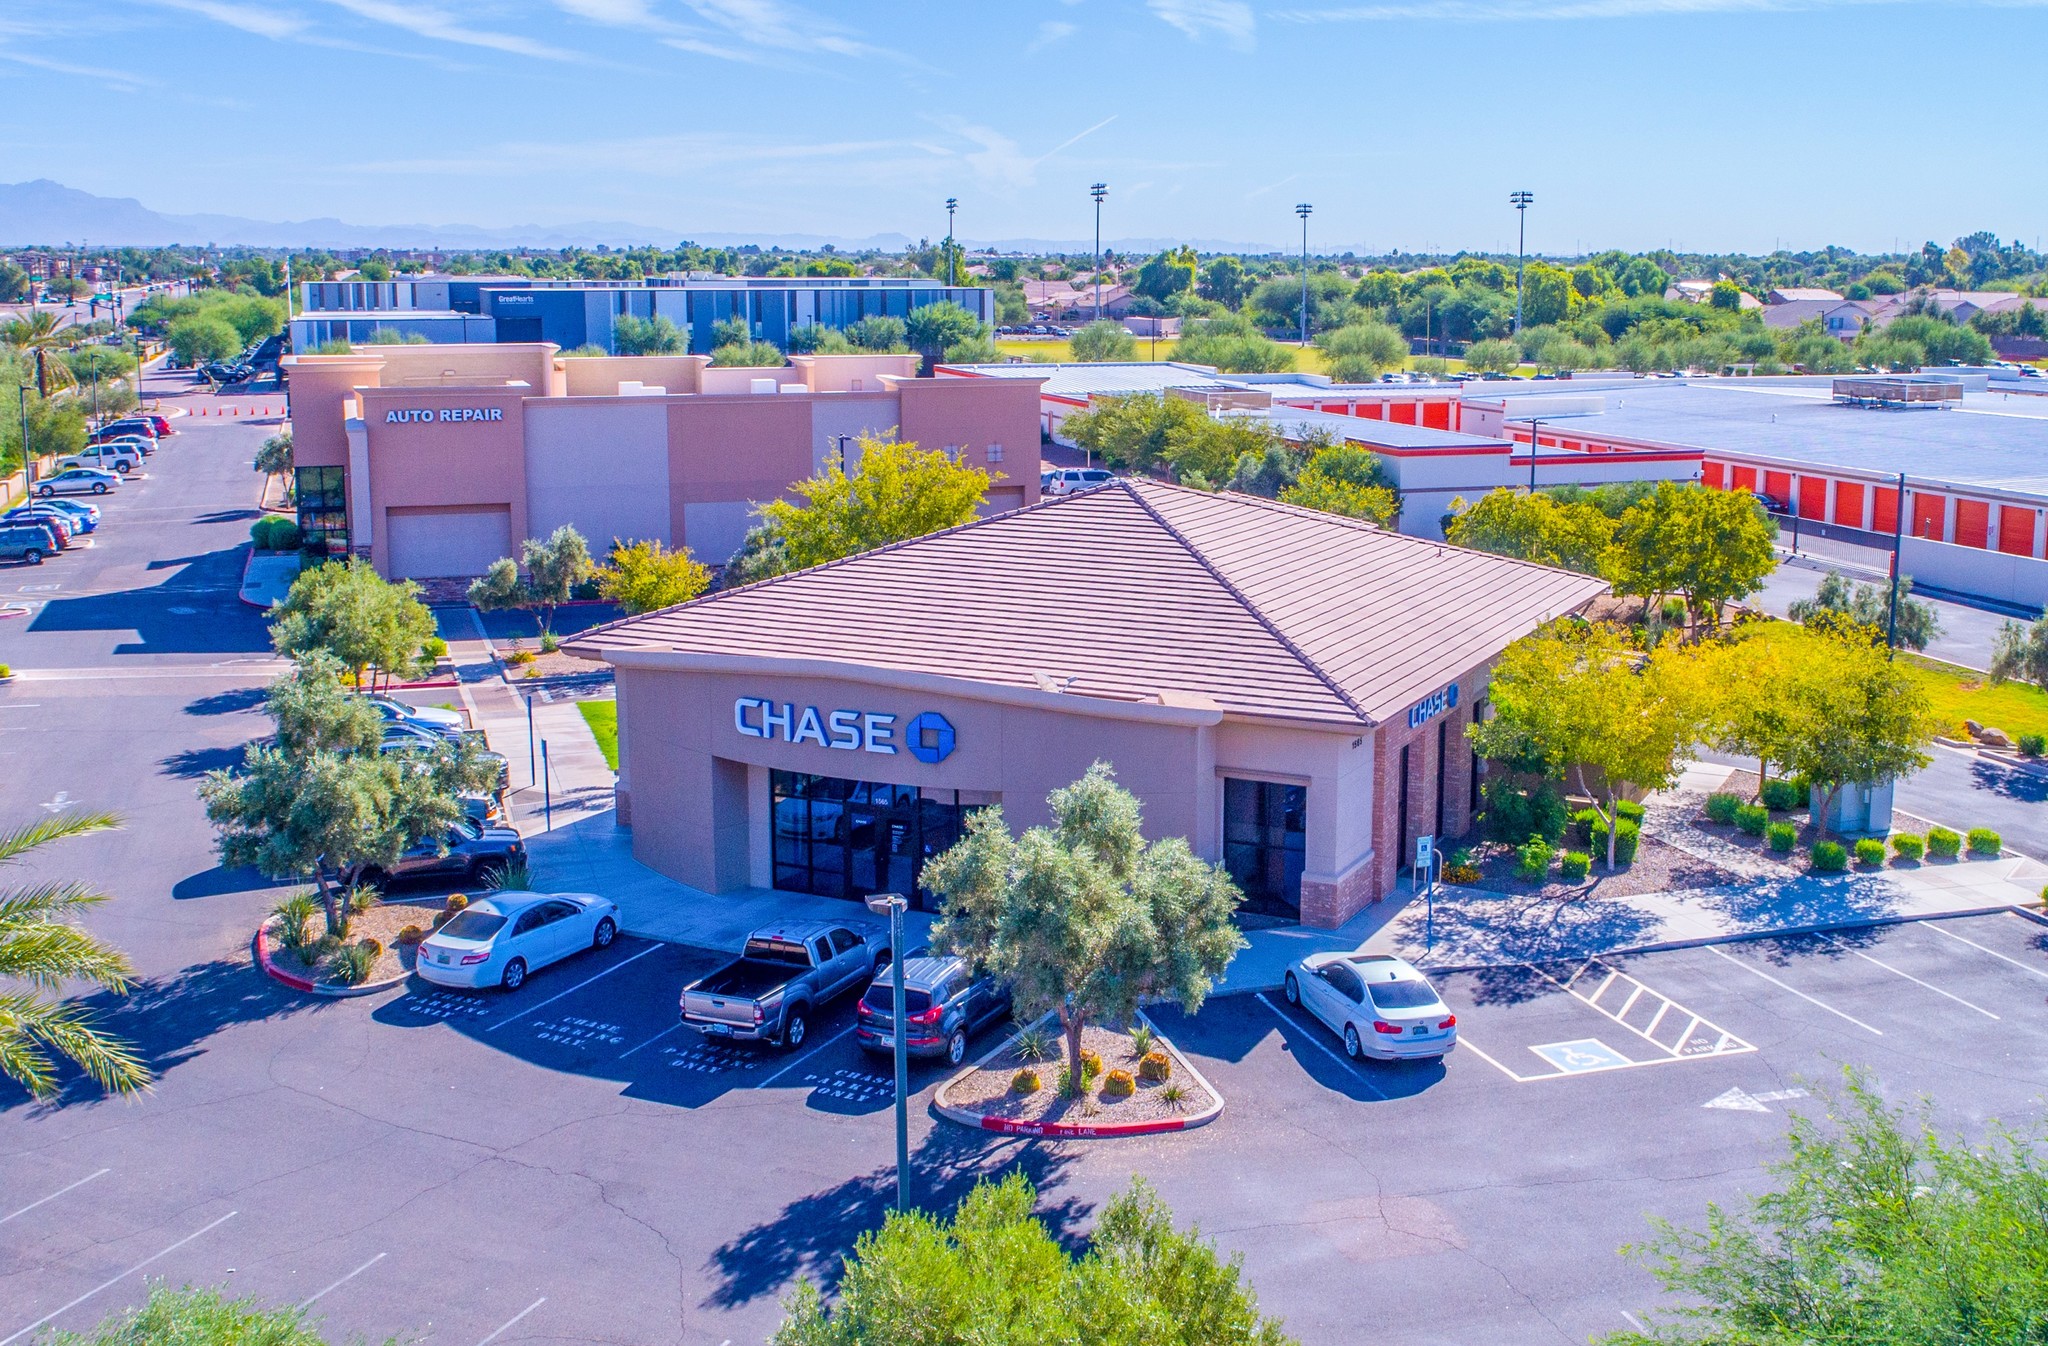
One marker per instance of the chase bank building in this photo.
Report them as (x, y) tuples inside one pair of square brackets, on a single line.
[(1286, 689)]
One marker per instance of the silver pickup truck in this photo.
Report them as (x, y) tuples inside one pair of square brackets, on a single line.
[(783, 977)]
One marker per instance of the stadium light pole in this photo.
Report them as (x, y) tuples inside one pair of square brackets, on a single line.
[(1098, 191), (1303, 210), (1521, 202), (952, 267)]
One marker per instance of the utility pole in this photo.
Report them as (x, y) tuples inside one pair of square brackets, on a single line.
[(1098, 191), (1891, 634), (1521, 202), (952, 268), (1303, 210), (1535, 427)]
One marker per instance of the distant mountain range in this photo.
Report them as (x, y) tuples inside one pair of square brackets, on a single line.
[(49, 214)]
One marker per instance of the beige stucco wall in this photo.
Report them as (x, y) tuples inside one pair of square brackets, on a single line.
[(601, 375)]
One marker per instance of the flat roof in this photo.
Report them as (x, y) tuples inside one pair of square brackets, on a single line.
[(1263, 609), (1995, 440), (1112, 377), (1296, 421)]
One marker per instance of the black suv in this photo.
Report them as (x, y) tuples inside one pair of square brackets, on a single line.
[(475, 852), (943, 1005)]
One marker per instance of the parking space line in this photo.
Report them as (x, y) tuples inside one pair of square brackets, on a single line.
[(116, 1280), (308, 1302), (54, 1195), (1721, 1044), (559, 994), (501, 1331), (1900, 972), (1935, 926), (1323, 1047), (1781, 986), (813, 1052), (1465, 1041), (651, 1041)]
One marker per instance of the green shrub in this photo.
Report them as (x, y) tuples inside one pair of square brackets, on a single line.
[(1780, 795), (1781, 837), (434, 647), (1512, 816), (1983, 841), (295, 920), (1174, 1096), (360, 897), (1626, 840), (1722, 807), (2033, 745), (1908, 845), (1034, 1044), (1829, 857), (1141, 1041), (1753, 819), (1870, 852), (1575, 865), (353, 963), (274, 532), (549, 642), (1532, 859), (1583, 823), (1628, 810), (1943, 844)]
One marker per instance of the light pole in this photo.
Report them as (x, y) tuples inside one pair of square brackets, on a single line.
[(28, 460), (1098, 191), (893, 905), (952, 268), (1891, 633), (1535, 426), (1521, 202), (1303, 210)]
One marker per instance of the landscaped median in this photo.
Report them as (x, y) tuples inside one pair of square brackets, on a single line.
[(377, 953), (1136, 1083)]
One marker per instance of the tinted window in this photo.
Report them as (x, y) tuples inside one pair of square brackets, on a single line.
[(478, 925), (842, 940), (1402, 995), (824, 948), (528, 920), (1345, 980), (785, 951), (881, 999), (557, 911)]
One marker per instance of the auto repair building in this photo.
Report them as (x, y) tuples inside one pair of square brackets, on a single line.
[(1286, 689), (434, 461)]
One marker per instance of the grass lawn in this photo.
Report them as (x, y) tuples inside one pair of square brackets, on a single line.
[(1960, 694), (603, 719)]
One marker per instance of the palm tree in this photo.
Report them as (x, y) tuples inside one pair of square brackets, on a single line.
[(41, 948)]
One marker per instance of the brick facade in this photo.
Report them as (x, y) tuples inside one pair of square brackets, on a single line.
[(1390, 856)]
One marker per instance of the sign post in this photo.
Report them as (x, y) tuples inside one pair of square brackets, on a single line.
[(1425, 879)]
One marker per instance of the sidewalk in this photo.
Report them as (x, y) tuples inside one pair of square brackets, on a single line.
[(268, 577)]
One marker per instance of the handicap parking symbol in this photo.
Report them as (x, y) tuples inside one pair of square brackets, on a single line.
[(1584, 1054)]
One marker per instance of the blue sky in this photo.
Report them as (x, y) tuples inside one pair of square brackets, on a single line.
[(1704, 124)]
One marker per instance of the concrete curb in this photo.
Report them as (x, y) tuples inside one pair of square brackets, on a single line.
[(298, 983), (1076, 1130)]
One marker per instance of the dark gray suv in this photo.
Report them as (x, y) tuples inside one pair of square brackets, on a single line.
[(25, 542), (943, 1003), (473, 852)]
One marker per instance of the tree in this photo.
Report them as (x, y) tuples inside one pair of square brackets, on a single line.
[(274, 455), (1726, 295), (1856, 718), (897, 492), (934, 329), (1223, 281), (1878, 1232), (1170, 273), (647, 336), (645, 576), (1104, 340), (41, 949), (748, 355), (880, 335), (2021, 652), (1746, 684), (995, 1276), (812, 339), (1205, 452), (1348, 480), (199, 340), (1085, 917), (1712, 546), (1580, 697), (1358, 352), (1133, 432), (553, 567), (195, 1317), (1573, 535), (348, 610), (1267, 473), (1870, 606), (1233, 345), (1494, 357), (323, 801)]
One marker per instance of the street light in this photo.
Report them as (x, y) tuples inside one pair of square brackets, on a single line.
[(1303, 210), (893, 906), (1521, 202), (1534, 424), (952, 268), (1098, 191)]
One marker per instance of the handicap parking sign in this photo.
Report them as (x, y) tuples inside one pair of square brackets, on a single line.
[(1585, 1054)]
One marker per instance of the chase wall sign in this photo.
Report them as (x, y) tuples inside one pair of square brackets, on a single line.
[(928, 737), (1433, 705)]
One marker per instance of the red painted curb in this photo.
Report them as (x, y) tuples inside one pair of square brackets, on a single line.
[(297, 983), (1058, 1129)]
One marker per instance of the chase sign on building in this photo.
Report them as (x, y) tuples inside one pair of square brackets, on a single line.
[(929, 737)]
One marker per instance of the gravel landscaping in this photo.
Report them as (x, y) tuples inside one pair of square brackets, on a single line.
[(381, 923), (1657, 868), (987, 1090)]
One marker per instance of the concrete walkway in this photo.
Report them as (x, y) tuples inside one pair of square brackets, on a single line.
[(268, 578)]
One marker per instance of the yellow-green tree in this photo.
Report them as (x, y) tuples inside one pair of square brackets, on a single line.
[(645, 576), (1711, 546), (1344, 479), (896, 492), (1574, 535), (1855, 718)]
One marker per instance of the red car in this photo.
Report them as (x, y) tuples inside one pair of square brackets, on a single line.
[(163, 426)]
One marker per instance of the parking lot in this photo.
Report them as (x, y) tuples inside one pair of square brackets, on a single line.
[(569, 1164)]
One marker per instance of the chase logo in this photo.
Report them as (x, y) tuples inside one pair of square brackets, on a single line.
[(929, 737)]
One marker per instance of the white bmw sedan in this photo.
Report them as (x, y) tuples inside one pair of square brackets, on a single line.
[(498, 940), (1381, 1006)]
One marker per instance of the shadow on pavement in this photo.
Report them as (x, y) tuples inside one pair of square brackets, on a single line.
[(196, 762), (1531, 930), (1812, 899), (227, 626), (216, 881), (2028, 787), (1229, 1028), (809, 1236), (227, 703)]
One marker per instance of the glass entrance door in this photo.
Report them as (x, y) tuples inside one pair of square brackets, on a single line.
[(848, 838)]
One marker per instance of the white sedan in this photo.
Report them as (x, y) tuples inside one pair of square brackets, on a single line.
[(498, 940), (1381, 1006)]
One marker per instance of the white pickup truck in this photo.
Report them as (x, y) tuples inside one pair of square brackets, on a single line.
[(782, 978)]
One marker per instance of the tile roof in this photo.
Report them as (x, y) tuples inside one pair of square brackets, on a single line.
[(1137, 589)]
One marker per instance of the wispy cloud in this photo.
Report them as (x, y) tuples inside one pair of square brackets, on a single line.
[(997, 159), (639, 16), (1049, 32), (441, 26), (1509, 11), (771, 23), (264, 22), (1230, 20)]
